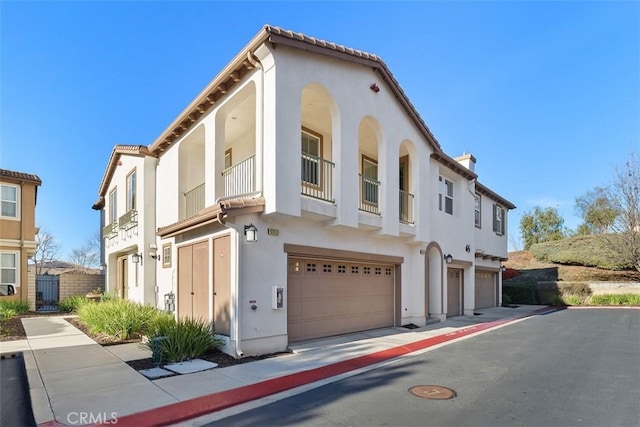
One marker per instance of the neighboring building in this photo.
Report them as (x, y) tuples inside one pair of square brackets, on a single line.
[(18, 196), (362, 220)]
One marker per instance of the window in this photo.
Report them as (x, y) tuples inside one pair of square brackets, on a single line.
[(9, 199), (227, 159), (445, 195), (311, 150), (131, 190), (8, 273), (370, 180), (166, 255), (476, 210), (113, 206), (498, 220)]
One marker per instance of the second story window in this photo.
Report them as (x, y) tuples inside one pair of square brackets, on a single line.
[(9, 201), (498, 220), (113, 206), (476, 210), (131, 191), (445, 195)]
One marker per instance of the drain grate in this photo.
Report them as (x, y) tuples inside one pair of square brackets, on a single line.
[(435, 392)]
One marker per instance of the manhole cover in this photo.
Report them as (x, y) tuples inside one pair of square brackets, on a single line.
[(432, 392)]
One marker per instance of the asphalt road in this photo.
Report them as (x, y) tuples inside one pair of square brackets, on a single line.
[(15, 402), (568, 368)]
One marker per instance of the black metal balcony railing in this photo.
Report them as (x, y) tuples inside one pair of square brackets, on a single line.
[(110, 230), (128, 220), (406, 207), (194, 200), (369, 190), (240, 179), (317, 177)]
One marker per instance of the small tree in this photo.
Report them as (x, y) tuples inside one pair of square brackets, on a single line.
[(624, 193), (597, 210), (47, 249), (541, 225), (84, 257)]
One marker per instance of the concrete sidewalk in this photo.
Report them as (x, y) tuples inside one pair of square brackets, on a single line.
[(74, 381)]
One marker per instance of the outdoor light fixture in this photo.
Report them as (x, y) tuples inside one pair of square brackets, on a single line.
[(153, 251), (503, 268), (448, 258), (136, 258), (154, 256), (251, 232)]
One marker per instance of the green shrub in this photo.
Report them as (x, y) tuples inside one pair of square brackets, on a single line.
[(72, 303), (519, 294), (118, 318), (6, 313), (590, 251), (579, 289), (184, 339), (18, 306), (616, 299)]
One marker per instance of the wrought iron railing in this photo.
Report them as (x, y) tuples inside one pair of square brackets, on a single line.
[(406, 207), (194, 200), (128, 220), (369, 191), (317, 177), (240, 179), (110, 230)]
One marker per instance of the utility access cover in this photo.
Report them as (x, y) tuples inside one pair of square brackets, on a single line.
[(432, 392)]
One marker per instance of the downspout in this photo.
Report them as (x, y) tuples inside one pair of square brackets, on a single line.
[(222, 219)]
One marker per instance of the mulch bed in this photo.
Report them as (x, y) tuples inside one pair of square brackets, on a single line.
[(12, 329)]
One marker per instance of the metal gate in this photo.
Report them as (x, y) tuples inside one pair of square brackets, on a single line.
[(47, 292)]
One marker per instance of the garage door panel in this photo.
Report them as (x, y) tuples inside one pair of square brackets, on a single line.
[(485, 289), (329, 298)]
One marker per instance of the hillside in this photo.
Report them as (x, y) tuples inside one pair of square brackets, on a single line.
[(532, 269)]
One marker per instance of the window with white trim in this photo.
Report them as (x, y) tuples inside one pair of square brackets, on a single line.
[(311, 151), (113, 206), (131, 190), (9, 201), (8, 273), (498, 219), (477, 210), (445, 195)]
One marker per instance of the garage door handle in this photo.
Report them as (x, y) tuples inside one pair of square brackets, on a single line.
[(193, 293), (215, 293)]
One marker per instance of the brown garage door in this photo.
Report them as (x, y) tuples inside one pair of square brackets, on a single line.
[(485, 289), (326, 298)]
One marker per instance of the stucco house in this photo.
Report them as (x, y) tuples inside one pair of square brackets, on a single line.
[(301, 195), (18, 197)]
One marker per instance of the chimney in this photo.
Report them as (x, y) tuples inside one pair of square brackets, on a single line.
[(468, 161)]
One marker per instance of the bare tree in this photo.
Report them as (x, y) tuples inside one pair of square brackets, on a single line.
[(624, 193), (47, 249), (85, 257)]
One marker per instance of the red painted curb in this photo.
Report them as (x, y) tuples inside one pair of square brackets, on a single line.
[(182, 411)]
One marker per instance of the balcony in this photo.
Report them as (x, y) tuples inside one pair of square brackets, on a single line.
[(406, 207), (194, 200), (317, 177), (369, 190), (110, 230), (128, 220), (240, 179)]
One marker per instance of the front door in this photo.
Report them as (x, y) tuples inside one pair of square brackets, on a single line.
[(221, 284), (122, 281), (193, 280), (454, 292)]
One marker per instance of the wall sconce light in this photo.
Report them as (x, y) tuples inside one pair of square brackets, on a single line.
[(448, 258), (251, 232), (153, 251), (136, 258), (374, 87), (467, 248), (503, 268), (154, 256)]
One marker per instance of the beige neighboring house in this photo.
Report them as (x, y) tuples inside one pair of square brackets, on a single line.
[(18, 196)]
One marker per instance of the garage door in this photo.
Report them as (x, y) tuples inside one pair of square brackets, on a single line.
[(485, 289), (326, 298)]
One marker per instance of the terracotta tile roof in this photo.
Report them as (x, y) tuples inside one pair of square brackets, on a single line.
[(216, 213), (20, 176)]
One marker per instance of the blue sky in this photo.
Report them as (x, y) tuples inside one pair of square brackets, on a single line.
[(546, 95)]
